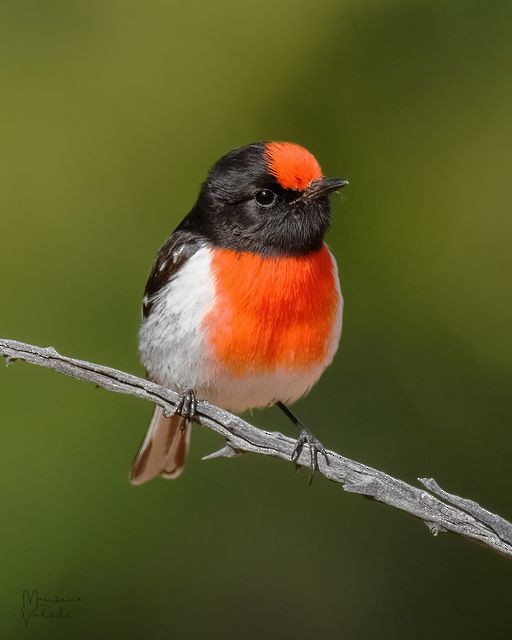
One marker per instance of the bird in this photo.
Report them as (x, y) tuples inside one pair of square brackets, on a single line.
[(243, 306)]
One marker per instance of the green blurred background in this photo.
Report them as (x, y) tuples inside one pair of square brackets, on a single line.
[(111, 114)]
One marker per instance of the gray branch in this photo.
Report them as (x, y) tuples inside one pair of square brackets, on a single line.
[(441, 511)]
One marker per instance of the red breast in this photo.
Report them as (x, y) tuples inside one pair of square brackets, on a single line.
[(272, 312)]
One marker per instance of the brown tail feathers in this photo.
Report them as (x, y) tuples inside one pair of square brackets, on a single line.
[(164, 448)]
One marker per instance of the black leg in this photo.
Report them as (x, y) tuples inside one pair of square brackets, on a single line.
[(305, 437), (289, 414)]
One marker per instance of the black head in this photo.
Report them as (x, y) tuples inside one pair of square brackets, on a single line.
[(266, 198)]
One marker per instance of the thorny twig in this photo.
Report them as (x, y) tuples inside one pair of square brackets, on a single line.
[(440, 510)]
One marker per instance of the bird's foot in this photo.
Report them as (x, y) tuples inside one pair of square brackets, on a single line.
[(315, 447), (187, 406)]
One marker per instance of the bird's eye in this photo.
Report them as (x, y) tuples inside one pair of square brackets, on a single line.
[(265, 197)]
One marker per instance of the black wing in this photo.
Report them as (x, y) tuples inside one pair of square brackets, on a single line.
[(171, 257)]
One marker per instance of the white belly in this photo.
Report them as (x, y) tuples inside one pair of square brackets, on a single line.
[(171, 342)]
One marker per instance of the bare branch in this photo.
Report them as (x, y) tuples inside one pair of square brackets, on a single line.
[(441, 511)]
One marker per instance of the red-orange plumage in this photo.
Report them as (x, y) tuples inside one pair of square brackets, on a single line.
[(293, 166), (272, 312)]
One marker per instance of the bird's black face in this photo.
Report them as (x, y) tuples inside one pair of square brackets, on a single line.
[(249, 203)]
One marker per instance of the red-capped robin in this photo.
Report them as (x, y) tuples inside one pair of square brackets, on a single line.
[(243, 306)]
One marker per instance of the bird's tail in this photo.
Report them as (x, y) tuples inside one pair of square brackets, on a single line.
[(164, 448)]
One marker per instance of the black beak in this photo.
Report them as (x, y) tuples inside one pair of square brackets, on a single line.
[(323, 187)]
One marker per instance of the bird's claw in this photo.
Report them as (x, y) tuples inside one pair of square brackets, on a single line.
[(187, 405), (315, 447)]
